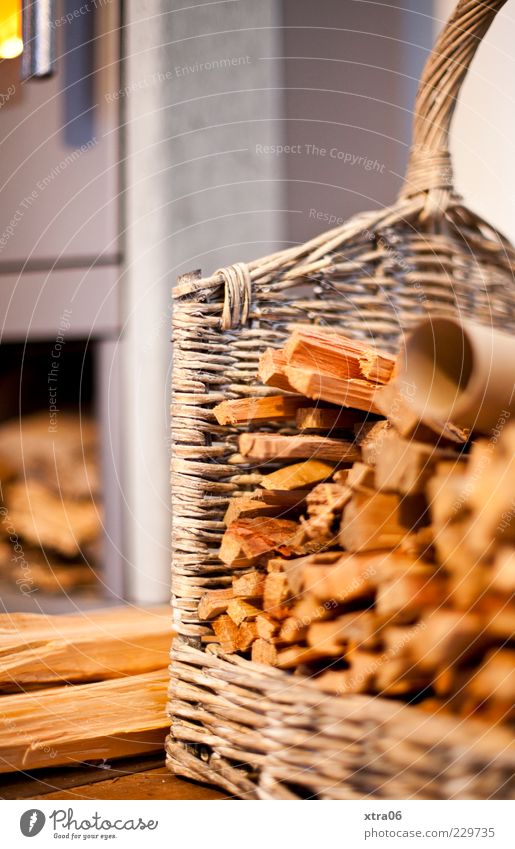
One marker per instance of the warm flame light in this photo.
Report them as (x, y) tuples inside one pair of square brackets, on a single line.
[(11, 44)]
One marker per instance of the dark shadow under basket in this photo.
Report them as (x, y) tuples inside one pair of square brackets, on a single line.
[(259, 732)]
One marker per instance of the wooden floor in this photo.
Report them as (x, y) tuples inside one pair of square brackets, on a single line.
[(129, 779)]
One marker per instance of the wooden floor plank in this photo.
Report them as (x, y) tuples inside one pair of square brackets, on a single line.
[(152, 784)]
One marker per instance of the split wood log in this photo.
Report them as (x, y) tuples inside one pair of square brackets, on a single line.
[(67, 726), (227, 633), (251, 585), (264, 652), (269, 446), (355, 393), (405, 466), (38, 651), (266, 409), (240, 610), (271, 370), (298, 475), (327, 418), (374, 520), (214, 603), (266, 626), (335, 353), (246, 541), (352, 631), (247, 634)]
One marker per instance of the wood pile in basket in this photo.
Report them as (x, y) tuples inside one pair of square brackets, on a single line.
[(50, 517), (380, 557)]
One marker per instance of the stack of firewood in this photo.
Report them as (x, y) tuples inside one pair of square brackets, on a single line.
[(50, 521), (380, 556)]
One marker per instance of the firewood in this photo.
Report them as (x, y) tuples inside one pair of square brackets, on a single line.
[(214, 603), (355, 393), (294, 656), (66, 726), (269, 446), (286, 499), (370, 438), (336, 354), (297, 476), (327, 418), (266, 409), (407, 596), (502, 574), (240, 610), (393, 401), (361, 475), (359, 630), (271, 370), (292, 630), (494, 682), (45, 519), (277, 591), (250, 585), (247, 633), (251, 508), (443, 638), (266, 626), (353, 577), (325, 504), (246, 541), (264, 652), (39, 651), (419, 545), (227, 632), (398, 677), (308, 609), (293, 568), (375, 520), (405, 466)]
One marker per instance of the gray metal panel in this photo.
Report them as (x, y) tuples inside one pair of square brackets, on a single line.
[(351, 72), (198, 92), (32, 304), (59, 148)]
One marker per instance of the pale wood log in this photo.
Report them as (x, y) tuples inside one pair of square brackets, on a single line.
[(264, 652), (214, 603), (239, 610), (66, 726), (246, 541), (327, 418), (266, 409), (335, 353), (269, 446), (251, 585), (38, 650), (298, 475)]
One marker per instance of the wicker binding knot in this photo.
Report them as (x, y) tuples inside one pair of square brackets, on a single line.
[(237, 295), (258, 732)]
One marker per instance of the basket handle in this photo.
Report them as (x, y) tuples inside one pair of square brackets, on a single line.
[(429, 165)]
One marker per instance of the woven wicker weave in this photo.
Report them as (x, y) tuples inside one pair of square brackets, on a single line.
[(259, 732)]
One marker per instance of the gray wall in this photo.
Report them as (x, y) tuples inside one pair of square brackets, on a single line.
[(199, 91)]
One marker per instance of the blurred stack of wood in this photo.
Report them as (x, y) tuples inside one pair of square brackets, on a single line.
[(384, 562), (86, 687), (50, 519)]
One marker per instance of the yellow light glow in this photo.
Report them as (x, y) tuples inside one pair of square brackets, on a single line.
[(11, 44)]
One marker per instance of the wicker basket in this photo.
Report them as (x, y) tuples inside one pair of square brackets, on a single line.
[(259, 732)]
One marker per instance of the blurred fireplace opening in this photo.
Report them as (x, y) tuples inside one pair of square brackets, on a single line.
[(51, 512)]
